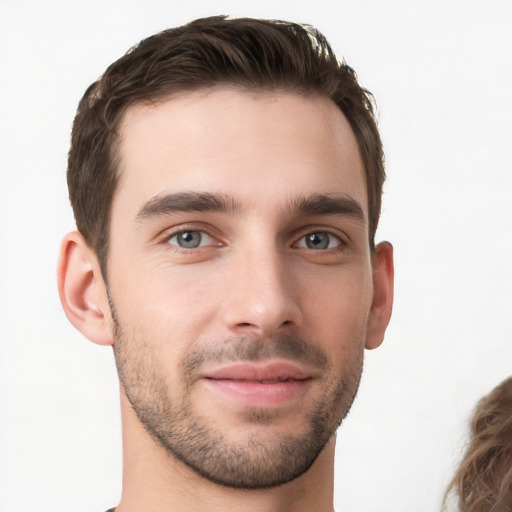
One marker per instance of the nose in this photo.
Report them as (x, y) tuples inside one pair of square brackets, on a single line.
[(262, 295)]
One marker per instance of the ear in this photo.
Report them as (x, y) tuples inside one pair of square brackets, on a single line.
[(382, 304), (82, 291)]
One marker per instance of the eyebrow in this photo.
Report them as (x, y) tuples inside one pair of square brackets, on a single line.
[(314, 204), (327, 204), (167, 204)]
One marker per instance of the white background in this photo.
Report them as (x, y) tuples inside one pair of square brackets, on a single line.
[(441, 72)]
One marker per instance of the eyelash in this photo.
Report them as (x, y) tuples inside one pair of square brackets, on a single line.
[(332, 236), (177, 234), (168, 236), (341, 243)]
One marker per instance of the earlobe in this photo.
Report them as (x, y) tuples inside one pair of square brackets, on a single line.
[(82, 290), (382, 304)]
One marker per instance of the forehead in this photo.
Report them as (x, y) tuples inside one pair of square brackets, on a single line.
[(260, 148)]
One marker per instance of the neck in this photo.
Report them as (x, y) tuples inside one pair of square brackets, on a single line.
[(154, 480)]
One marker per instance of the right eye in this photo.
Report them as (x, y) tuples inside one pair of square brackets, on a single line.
[(190, 239)]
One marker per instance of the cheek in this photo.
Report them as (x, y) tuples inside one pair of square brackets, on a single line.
[(164, 306), (339, 310)]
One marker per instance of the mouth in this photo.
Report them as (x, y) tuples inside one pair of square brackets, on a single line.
[(259, 385)]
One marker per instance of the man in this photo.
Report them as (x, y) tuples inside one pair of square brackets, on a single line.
[(226, 180)]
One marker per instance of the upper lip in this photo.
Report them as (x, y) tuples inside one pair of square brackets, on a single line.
[(274, 371)]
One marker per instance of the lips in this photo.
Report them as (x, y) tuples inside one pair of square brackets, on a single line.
[(258, 385), (268, 373)]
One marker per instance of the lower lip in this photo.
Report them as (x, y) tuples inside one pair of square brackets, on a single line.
[(259, 394)]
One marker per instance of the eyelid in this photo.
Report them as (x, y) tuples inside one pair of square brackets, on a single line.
[(164, 236), (205, 237), (336, 233), (302, 243)]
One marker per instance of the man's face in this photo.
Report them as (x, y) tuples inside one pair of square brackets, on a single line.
[(240, 279)]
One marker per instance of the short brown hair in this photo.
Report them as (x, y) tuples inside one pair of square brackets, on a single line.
[(483, 481), (252, 54)]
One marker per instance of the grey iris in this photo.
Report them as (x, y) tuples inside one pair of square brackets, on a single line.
[(317, 241), (189, 239)]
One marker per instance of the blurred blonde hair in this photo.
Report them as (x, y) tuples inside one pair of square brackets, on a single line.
[(483, 481)]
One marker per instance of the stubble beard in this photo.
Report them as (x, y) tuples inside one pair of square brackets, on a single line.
[(260, 461)]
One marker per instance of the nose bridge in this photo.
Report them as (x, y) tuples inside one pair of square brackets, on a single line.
[(262, 294)]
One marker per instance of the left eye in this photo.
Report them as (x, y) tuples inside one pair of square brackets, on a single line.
[(319, 241), (190, 239)]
